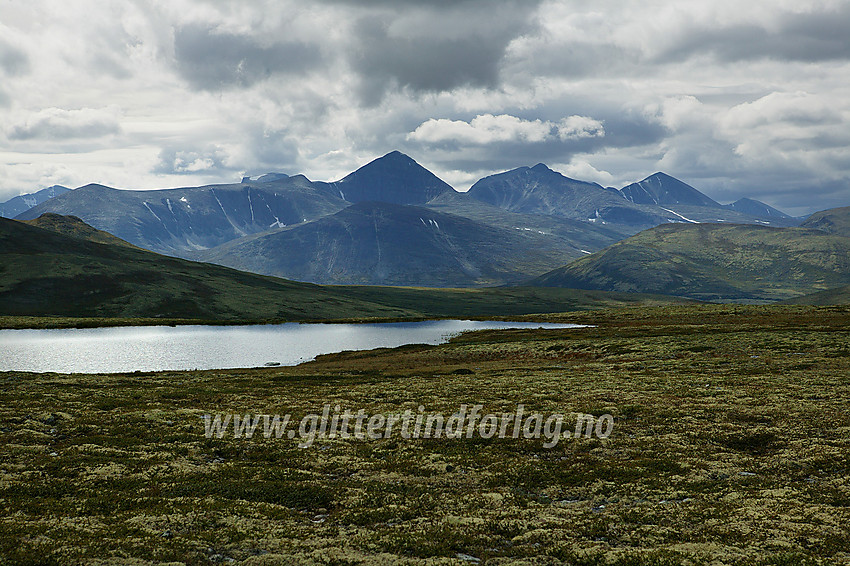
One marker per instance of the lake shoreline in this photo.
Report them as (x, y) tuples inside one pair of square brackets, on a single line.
[(105, 350), (49, 322)]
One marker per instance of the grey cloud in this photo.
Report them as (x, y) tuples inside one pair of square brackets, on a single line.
[(398, 3), (59, 124), (112, 65), (211, 60), (792, 192), (272, 151), (806, 37), (576, 60), (455, 44), (427, 65), (13, 61)]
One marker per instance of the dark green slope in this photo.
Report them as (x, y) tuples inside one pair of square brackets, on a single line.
[(49, 272), (46, 273), (714, 262), (388, 244), (73, 226), (834, 221), (503, 301)]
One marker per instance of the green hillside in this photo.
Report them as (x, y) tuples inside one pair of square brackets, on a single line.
[(838, 296), (49, 273), (74, 226), (835, 221), (714, 262)]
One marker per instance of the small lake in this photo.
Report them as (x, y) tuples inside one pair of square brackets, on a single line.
[(161, 348)]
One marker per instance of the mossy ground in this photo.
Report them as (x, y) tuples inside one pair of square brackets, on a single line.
[(731, 446)]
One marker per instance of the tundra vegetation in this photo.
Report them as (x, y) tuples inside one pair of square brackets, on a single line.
[(730, 447)]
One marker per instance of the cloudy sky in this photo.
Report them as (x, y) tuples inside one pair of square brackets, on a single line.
[(737, 98)]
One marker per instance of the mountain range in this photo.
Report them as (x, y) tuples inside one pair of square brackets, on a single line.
[(176, 221), (393, 222)]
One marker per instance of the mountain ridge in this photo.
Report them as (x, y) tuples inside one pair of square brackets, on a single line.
[(833, 221), (757, 208), (180, 220), (21, 203), (541, 218), (540, 190)]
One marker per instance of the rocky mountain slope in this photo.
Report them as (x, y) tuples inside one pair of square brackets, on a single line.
[(389, 244), (176, 221), (20, 204)]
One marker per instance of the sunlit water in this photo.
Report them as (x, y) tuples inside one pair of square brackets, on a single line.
[(159, 348)]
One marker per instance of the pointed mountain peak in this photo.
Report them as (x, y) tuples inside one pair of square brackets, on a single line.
[(396, 154), (394, 158), (544, 170), (395, 178), (757, 208), (662, 189), (661, 176)]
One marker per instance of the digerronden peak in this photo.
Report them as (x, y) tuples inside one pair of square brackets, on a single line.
[(395, 178)]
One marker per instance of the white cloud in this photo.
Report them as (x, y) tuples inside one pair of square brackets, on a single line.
[(579, 168), (579, 127), (486, 129), (795, 109)]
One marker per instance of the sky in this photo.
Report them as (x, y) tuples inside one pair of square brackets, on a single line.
[(736, 98)]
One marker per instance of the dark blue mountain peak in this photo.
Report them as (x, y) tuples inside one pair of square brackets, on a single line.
[(395, 178)]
